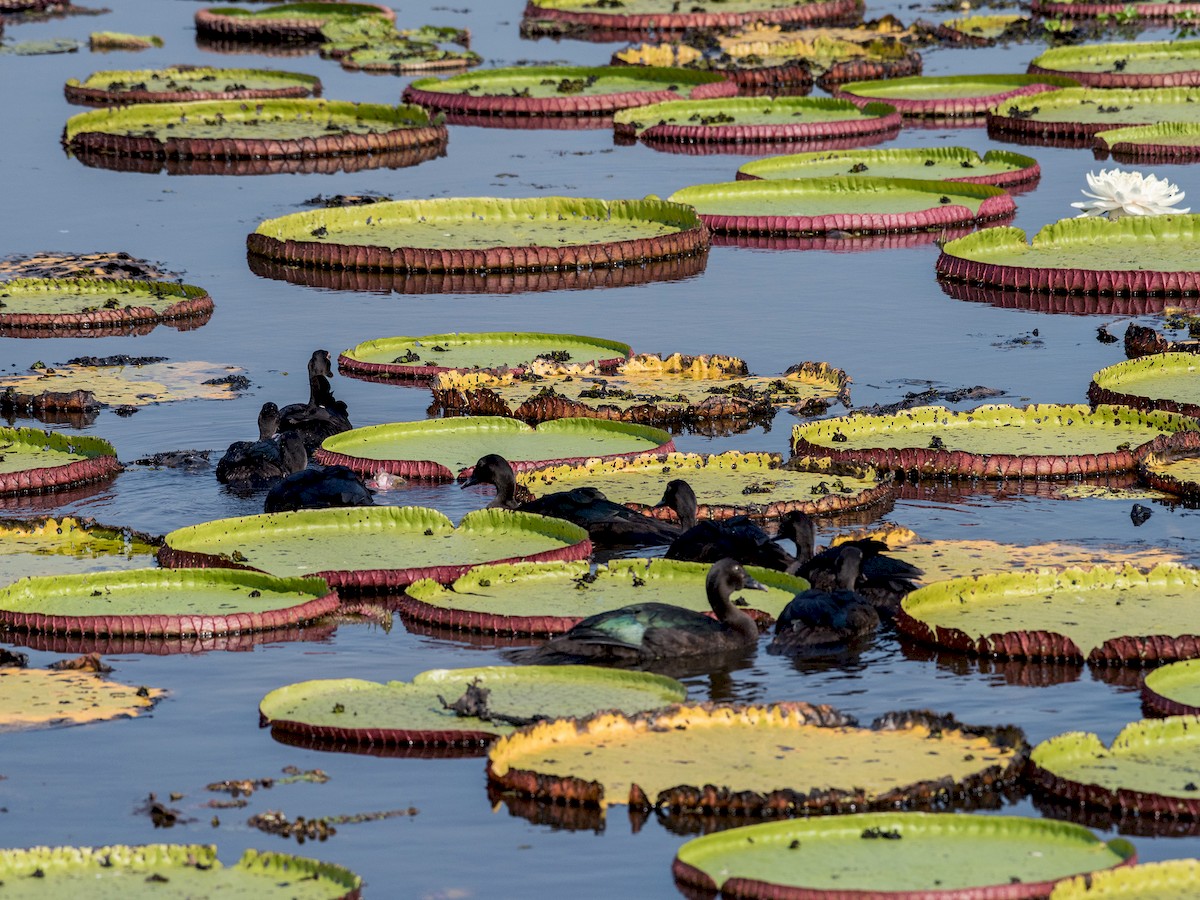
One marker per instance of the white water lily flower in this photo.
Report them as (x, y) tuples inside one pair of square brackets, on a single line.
[(1115, 193)]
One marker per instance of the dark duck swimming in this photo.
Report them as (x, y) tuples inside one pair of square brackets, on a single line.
[(608, 524), (824, 618), (318, 487), (710, 540), (255, 465), (323, 415)]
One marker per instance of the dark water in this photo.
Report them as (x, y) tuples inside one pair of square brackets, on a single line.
[(879, 315)]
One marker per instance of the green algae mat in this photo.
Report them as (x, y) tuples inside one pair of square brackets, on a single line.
[(168, 871), (236, 129), (57, 546), (353, 711), (788, 759), (1132, 254), (440, 450), (1174, 689), (949, 95), (483, 234), (551, 598), (1166, 142), (1150, 768), (1081, 112), (1128, 65), (371, 548), (998, 167), (187, 83), (892, 854), (39, 698), (162, 602), (33, 461), (853, 204), (1167, 381), (1107, 615), (39, 306), (1151, 881), (993, 441), (402, 358), (728, 484)]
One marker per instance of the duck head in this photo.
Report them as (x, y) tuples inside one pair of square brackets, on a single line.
[(798, 526), (680, 497), (268, 421), (725, 577), (497, 471)]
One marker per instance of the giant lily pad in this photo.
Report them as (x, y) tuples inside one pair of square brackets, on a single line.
[(49, 546), (726, 484), (858, 205), (1149, 769), (1174, 689), (220, 129), (352, 711), (1165, 381), (665, 15), (287, 22), (39, 698), (563, 90), (1172, 463), (1128, 65), (416, 358), (158, 602), (1133, 254), (750, 120), (440, 450), (1107, 615), (901, 855), (983, 31), (483, 234), (1151, 881), (187, 83), (949, 95), (551, 598), (33, 461), (998, 167), (371, 548), (1077, 113), (785, 759), (129, 385), (1085, 9), (1167, 142), (170, 872), (406, 57), (69, 306), (994, 441)]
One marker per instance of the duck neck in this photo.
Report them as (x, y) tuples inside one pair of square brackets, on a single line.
[(732, 617), (505, 482), (267, 426)]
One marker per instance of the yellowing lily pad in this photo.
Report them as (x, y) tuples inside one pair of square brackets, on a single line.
[(352, 711), (1150, 881), (984, 30), (1169, 381), (39, 698), (51, 546), (133, 385)]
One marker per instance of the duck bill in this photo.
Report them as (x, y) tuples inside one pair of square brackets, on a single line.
[(750, 584), (471, 480)]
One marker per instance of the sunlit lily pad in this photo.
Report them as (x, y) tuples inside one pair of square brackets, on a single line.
[(219, 129), (162, 602), (1149, 769), (750, 120), (132, 385), (563, 90), (403, 57), (551, 598), (373, 548), (851, 204), (1172, 463), (665, 15), (287, 22), (1081, 112), (369, 712), (1107, 615), (33, 461), (902, 855), (1083, 9), (483, 234), (39, 698), (1129, 255), (1151, 881), (50, 546), (80, 305), (188, 83), (726, 484), (788, 759), (439, 450), (1127, 65), (103, 41), (949, 95), (1173, 690), (998, 167), (983, 31), (1167, 381), (417, 358), (170, 872), (1168, 142)]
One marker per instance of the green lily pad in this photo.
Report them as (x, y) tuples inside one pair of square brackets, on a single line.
[(103, 41), (1172, 464), (349, 710), (1151, 881), (665, 15), (1133, 65), (896, 854), (404, 57), (39, 698), (50, 546), (162, 602), (998, 167), (1081, 112), (984, 30), (1174, 689), (188, 83), (1165, 142), (1129, 255), (950, 95), (1086, 9), (33, 461), (286, 22), (132, 385), (368, 548), (41, 306), (1150, 768), (483, 234), (169, 871), (438, 450), (857, 205), (1110, 615), (1165, 381), (551, 598), (726, 484), (432, 354)]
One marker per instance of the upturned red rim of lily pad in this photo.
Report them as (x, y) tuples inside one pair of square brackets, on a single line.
[(189, 302), (161, 645), (1033, 116), (1081, 10), (291, 85), (808, 13), (1058, 302), (1023, 169), (1073, 62), (1115, 384), (1166, 142), (949, 104), (217, 23), (267, 165), (1154, 466), (100, 461)]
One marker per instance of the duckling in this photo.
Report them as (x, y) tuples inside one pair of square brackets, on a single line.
[(710, 540), (643, 632), (821, 618), (608, 524), (318, 487), (323, 415), (254, 465)]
